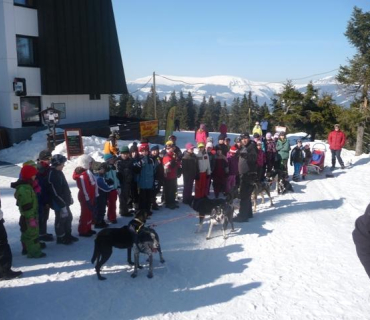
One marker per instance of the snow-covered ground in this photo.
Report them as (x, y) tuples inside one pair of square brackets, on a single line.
[(295, 260)]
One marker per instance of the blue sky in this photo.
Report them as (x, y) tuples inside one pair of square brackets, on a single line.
[(260, 40)]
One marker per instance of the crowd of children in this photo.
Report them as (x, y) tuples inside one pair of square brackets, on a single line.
[(135, 176)]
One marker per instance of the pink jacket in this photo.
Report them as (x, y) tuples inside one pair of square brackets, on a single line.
[(201, 136)]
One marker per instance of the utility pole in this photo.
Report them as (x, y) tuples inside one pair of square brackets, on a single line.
[(154, 97)]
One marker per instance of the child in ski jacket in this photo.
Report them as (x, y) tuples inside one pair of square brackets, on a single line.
[(125, 176), (190, 172), (87, 194), (101, 201), (306, 161), (112, 180), (28, 207), (220, 172), (233, 161), (296, 159)]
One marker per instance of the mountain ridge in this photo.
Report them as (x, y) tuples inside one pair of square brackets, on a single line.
[(225, 88)]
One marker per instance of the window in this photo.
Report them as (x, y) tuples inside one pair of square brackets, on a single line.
[(30, 111), (27, 51), (25, 3), (95, 96)]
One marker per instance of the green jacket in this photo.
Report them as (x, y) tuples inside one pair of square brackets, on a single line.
[(26, 199), (283, 148)]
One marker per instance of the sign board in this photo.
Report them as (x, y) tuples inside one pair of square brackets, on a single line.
[(149, 128), (280, 129), (73, 142), (50, 116), (19, 86)]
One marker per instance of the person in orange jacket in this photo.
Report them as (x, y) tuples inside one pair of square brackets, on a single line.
[(110, 146)]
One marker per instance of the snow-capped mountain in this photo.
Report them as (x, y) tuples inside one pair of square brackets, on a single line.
[(226, 88)]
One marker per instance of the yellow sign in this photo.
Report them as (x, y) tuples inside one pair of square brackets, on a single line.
[(149, 128)]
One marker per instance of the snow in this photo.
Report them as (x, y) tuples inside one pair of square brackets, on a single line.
[(295, 260)]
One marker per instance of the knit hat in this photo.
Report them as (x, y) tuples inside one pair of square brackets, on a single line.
[(276, 135), (268, 135), (189, 146), (299, 141), (256, 135), (221, 136), (233, 149), (133, 148), (209, 145), (307, 146), (57, 160), (169, 143), (201, 145), (30, 163), (107, 157), (124, 149), (45, 155), (282, 134), (27, 172), (143, 147), (84, 161), (172, 137), (155, 147), (245, 135), (209, 139), (257, 122)]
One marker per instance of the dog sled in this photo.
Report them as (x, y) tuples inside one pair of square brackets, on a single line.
[(316, 164)]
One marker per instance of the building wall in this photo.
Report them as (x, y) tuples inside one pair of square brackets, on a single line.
[(80, 110)]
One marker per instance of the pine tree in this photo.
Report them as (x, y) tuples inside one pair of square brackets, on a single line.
[(224, 116), (207, 118), (201, 110), (290, 103), (356, 75), (114, 106), (235, 119), (182, 112), (191, 110)]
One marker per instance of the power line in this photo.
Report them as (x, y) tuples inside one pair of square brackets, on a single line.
[(141, 87), (179, 80)]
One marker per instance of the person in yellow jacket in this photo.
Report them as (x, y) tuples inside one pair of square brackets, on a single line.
[(257, 129), (110, 146)]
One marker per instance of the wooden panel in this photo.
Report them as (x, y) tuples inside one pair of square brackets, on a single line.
[(79, 49)]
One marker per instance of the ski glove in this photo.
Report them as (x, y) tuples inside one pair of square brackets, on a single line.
[(64, 212)]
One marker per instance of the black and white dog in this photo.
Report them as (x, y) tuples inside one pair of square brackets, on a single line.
[(106, 239), (204, 206), (222, 214), (147, 242), (282, 183), (259, 188)]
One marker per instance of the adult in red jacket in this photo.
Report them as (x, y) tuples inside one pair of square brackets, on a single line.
[(223, 128), (336, 140), (171, 164), (88, 191)]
